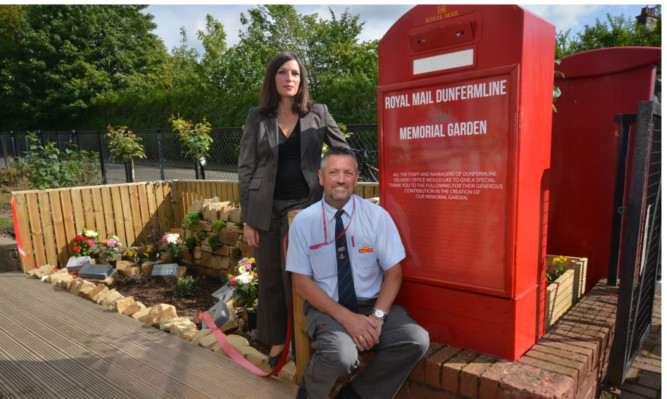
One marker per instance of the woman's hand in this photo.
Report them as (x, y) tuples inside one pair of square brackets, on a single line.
[(251, 235)]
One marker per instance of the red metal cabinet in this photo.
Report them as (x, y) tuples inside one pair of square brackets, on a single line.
[(597, 85), (464, 113)]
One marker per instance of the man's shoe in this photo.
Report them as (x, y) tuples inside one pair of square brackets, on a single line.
[(302, 393), (347, 392)]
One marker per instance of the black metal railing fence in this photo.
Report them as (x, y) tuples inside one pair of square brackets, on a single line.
[(163, 148)]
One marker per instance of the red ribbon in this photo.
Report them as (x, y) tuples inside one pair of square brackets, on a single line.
[(19, 244), (238, 358)]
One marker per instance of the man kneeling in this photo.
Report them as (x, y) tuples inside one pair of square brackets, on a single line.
[(344, 252)]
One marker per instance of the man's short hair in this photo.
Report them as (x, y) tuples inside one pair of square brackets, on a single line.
[(341, 151)]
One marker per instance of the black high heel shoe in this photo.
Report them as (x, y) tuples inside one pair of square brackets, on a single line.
[(273, 360)]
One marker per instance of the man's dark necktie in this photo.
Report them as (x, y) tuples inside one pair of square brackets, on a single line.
[(346, 294)]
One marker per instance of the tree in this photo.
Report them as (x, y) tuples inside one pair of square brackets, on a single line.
[(60, 58), (616, 31)]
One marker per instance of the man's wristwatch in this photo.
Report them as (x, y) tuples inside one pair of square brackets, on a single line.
[(379, 314)]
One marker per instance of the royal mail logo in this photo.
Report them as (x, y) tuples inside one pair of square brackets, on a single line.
[(365, 250), (440, 115)]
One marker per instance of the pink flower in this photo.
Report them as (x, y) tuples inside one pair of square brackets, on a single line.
[(232, 281), (91, 242)]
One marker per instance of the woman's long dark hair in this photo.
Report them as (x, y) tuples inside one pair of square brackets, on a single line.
[(269, 98)]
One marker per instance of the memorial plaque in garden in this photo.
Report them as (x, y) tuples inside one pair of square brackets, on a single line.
[(75, 263), (219, 314), (224, 293), (97, 272), (166, 270)]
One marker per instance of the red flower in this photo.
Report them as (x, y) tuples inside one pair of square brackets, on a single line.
[(77, 248)]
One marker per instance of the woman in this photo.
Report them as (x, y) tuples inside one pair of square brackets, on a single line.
[(280, 154)]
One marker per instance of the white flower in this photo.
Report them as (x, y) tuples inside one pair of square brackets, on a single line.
[(90, 233)]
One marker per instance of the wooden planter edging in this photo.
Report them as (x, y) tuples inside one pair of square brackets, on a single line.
[(566, 290), (48, 220)]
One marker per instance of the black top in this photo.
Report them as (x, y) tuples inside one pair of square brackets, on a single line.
[(290, 183)]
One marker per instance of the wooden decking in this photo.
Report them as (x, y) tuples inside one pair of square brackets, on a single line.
[(56, 345)]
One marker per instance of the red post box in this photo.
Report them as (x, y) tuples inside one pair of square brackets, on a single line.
[(464, 111), (597, 85)]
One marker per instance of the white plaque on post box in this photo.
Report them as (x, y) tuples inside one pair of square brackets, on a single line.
[(75, 263), (98, 272), (166, 270)]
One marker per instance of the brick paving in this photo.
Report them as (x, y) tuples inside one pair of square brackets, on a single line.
[(644, 377)]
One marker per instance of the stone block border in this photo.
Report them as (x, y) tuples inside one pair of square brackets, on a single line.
[(162, 316)]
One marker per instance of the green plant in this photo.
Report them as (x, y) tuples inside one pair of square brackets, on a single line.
[(190, 243), (125, 145), (214, 242), (46, 166), (192, 219), (201, 235), (196, 140), (218, 225), (236, 252), (558, 267), (186, 287), (107, 248)]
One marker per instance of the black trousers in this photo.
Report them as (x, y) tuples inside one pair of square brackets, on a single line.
[(275, 287)]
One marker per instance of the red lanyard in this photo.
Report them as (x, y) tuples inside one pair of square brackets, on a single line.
[(324, 222)]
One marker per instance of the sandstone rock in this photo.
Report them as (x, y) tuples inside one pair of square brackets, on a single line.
[(110, 301), (56, 278), (133, 308), (161, 313), (121, 265), (235, 215), (131, 271), (203, 225), (147, 268), (288, 372), (246, 250), (76, 286), (88, 290), (228, 237), (207, 341), (66, 282), (41, 271), (184, 328), (122, 304), (102, 291), (195, 207), (196, 253), (219, 262), (199, 335), (224, 250), (142, 314)]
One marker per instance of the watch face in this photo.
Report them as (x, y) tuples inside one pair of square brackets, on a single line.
[(378, 313)]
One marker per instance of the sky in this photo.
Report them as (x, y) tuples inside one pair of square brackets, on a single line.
[(378, 18)]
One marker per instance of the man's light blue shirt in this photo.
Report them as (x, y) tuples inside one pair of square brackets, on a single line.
[(373, 243)]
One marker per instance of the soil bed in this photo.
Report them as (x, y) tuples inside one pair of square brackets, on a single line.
[(155, 290)]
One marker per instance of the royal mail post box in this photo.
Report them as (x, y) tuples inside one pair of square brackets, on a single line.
[(464, 114), (596, 85)]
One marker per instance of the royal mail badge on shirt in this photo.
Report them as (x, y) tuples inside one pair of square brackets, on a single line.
[(365, 249)]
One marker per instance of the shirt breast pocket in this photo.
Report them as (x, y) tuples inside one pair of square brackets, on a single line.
[(321, 260), (365, 253)]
